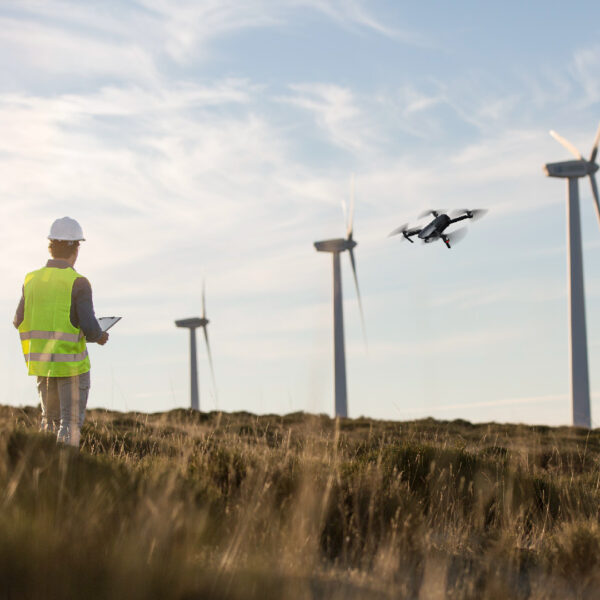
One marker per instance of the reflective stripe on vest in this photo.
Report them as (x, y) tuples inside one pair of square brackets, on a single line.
[(50, 335), (48, 357), (52, 346)]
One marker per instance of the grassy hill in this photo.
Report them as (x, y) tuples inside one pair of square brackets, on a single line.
[(192, 505)]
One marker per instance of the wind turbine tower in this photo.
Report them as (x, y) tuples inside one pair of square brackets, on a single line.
[(192, 324), (336, 247), (572, 170)]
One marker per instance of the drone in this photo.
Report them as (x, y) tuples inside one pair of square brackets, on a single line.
[(434, 230)]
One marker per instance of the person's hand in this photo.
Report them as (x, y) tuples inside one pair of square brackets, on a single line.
[(103, 338)]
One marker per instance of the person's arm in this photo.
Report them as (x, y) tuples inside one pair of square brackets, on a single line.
[(20, 313), (82, 312)]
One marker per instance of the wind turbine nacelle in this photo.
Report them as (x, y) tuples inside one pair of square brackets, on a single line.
[(337, 245), (192, 323), (570, 168)]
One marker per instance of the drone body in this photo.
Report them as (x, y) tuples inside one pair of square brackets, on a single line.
[(436, 229)]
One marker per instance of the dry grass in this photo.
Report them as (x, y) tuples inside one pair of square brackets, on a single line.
[(187, 505)]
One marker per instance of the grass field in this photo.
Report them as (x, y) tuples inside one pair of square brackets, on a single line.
[(189, 505)]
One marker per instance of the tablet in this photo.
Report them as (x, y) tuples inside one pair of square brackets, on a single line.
[(107, 322)]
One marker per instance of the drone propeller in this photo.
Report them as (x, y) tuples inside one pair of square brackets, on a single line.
[(405, 230), (401, 229), (457, 235), (474, 213), (433, 212)]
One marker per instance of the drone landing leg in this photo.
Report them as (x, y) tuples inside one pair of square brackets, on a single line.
[(446, 241)]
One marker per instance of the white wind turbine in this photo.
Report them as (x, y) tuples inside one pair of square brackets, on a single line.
[(572, 170), (336, 247), (192, 324)]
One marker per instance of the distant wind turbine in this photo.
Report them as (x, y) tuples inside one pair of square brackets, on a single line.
[(572, 170), (336, 247), (192, 324)]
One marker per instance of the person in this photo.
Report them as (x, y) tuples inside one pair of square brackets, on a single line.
[(55, 318)]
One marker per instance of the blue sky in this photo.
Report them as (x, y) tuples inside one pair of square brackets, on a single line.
[(216, 139)]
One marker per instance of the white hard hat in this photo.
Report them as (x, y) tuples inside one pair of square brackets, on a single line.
[(66, 229)]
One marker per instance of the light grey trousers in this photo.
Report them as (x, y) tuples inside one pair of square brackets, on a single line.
[(63, 401)]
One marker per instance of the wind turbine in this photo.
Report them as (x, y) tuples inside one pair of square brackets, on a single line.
[(192, 324), (336, 247), (572, 170)]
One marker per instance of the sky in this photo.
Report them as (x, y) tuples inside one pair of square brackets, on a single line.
[(214, 140)]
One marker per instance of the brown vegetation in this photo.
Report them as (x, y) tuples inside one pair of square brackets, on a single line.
[(188, 505)]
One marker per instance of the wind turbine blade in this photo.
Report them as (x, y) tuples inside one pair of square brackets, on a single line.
[(595, 193), (210, 361), (362, 316), (570, 147), (203, 300), (595, 146), (345, 211), (351, 216)]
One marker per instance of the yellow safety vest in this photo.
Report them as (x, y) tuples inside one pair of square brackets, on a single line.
[(51, 345)]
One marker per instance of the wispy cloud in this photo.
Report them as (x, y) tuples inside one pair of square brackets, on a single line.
[(67, 36), (356, 13), (336, 112), (52, 52), (189, 28), (585, 69)]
